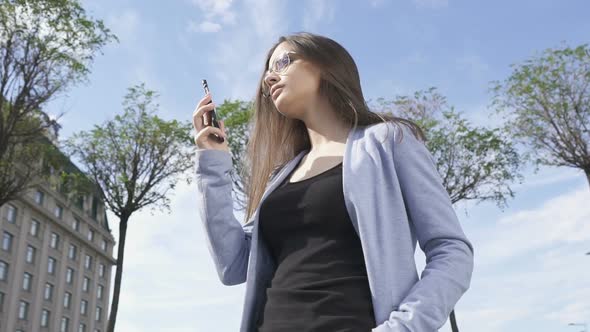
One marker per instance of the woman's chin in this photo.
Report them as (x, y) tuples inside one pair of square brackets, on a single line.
[(279, 100), (282, 107)]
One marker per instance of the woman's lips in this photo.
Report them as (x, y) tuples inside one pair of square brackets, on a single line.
[(276, 93)]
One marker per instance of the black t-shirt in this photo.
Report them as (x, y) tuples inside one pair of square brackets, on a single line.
[(320, 283)]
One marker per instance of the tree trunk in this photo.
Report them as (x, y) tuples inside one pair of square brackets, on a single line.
[(587, 171), (454, 327), (118, 275)]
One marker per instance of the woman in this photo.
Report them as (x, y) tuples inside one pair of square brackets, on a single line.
[(338, 196)]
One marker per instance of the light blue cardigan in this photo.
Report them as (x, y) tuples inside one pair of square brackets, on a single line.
[(394, 196)]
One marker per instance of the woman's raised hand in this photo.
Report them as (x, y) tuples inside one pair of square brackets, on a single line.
[(203, 137)]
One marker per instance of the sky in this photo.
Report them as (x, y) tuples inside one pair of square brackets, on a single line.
[(531, 272)]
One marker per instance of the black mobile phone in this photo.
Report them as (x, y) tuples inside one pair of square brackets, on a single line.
[(210, 117)]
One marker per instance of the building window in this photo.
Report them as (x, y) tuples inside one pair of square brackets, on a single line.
[(2, 295), (104, 245), (51, 263), (72, 252), (54, 241), (76, 224), (58, 211), (30, 255), (48, 294), (82, 328), (45, 318), (69, 275), (101, 268), (7, 241), (83, 307), (86, 284), (88, 262), (94, 212), (39, 197), (11, 213), (23, 310), (99, 290), (3, 270), (98, 313), (27, 281), (65, 324), (67, 300), (35, 225), (80, 202), (90, 235)]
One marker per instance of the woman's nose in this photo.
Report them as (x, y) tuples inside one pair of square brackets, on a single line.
[(271, 79)]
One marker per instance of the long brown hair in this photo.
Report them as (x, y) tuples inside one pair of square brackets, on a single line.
[(276, 139)]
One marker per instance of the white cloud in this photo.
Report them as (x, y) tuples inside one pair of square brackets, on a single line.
[(573, 312), (563, 219), (550, 175), (431, 4), (530, 266), (316, 12), (547, 287), (239, 57), (203, 26), (275, 16), (213, 10), (494, 318), (214, 7)]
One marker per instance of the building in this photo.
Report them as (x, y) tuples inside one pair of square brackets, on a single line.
[(56, 258)]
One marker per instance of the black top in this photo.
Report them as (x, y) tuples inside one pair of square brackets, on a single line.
[(320, 283)]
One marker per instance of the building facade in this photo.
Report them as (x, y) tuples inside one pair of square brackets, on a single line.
[(56, 258)]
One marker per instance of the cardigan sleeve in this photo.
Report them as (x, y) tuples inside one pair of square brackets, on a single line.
[(449, 254), (228, 240)]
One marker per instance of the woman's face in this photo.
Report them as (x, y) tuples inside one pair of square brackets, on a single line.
[(296, 87)]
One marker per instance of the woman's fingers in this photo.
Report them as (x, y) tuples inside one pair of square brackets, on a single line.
[(202, 107), (203, 138)]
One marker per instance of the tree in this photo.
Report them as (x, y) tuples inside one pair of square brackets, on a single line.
[(135, 159), (546, 105), (474, 163), (236, 118), (46, 46)]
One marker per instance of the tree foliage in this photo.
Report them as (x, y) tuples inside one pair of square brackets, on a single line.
[(475, 163), (46, 46), (546, 106), (136, 159)]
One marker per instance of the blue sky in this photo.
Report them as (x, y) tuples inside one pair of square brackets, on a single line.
[(530, 273)]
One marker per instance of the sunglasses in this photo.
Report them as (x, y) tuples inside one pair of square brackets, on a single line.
[(279, 66)]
